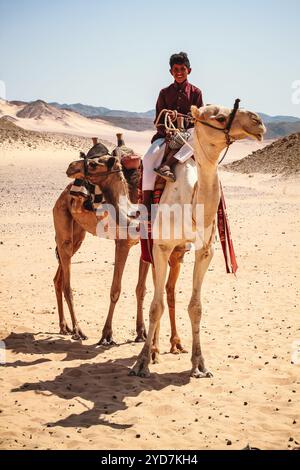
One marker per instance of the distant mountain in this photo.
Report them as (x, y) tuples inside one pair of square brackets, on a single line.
[(266, 118), (275, 130), (92, 111), (18, 102), (129, 123), (85, 110), (277, 126), (38, 109)]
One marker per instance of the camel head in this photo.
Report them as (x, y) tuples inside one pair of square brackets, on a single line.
[(95, 167), (76, 169), (245, 124), (101, 170)]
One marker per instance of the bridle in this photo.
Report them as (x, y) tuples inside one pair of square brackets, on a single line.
[(168, 124), (226, 129), (86, 166)]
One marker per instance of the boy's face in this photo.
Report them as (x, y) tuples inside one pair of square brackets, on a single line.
[(180, 72)]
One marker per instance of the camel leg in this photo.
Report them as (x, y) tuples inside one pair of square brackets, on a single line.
[(161, 255), (140, 295), (78, 237), (69, 236), (175, 262), (202, 261), (155, 344), (64, 328), (121, 253)]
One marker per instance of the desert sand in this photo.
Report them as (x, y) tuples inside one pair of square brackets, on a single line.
[(57, 393)]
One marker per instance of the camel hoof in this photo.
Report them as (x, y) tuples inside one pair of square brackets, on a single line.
[(106, 342), (78, 334), (155, 358), (178, 349), (144, 375), (197, 374), (132, 373), (65, 330), (141, 338), (140, 369)]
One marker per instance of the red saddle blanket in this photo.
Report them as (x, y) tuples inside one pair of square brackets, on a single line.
[(222, 222)]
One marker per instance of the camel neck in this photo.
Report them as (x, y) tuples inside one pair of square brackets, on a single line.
[(208, 186), (114, 189), (207, 163)]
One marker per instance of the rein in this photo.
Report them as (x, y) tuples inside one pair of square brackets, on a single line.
[(169, 126)]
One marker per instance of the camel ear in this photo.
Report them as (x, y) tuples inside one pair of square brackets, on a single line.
[(195, 112), (110, 162)]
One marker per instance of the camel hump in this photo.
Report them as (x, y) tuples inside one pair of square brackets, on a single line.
[(98, 150)]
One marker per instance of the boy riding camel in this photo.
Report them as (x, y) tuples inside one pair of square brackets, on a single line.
[(179, 96)]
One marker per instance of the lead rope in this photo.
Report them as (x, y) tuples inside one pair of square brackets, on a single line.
[(169, 126)]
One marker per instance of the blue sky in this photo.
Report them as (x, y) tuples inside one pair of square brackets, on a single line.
[(115, 53)]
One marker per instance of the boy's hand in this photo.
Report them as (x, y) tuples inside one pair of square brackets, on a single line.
[(172, 115)]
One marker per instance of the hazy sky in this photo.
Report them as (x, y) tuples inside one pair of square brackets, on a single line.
[(115, 53)]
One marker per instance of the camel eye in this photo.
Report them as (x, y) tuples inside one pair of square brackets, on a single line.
[(93, 165), (221, 118)]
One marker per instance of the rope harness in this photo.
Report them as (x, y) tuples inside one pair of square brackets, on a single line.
[(170, 127)]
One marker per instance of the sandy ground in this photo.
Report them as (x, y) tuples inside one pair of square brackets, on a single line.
[(61, 394)]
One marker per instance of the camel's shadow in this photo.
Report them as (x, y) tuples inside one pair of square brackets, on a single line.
[(27, 343), (106, 385)]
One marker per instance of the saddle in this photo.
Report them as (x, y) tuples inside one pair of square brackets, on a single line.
[(128, 158)]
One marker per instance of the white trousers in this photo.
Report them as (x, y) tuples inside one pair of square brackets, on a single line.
[(154, 155)]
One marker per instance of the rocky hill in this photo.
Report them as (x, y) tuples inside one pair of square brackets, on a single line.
[(282, 157), (39, 109)]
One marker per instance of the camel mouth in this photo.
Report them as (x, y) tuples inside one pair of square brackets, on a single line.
[(256, 135), (71, 173)]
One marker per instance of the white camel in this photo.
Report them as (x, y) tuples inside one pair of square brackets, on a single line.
[(197, 182)]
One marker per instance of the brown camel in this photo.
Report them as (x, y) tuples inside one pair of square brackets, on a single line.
[(72, 222)]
